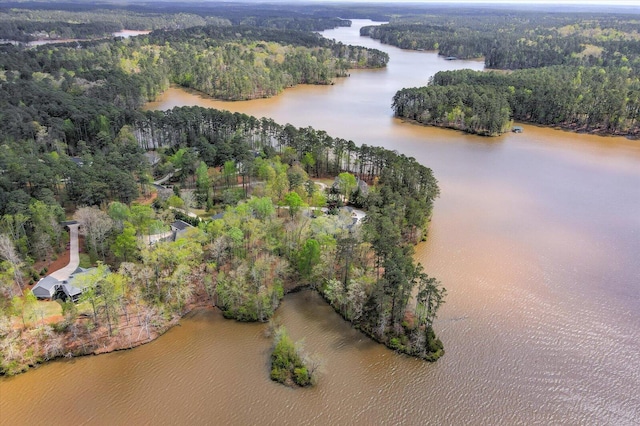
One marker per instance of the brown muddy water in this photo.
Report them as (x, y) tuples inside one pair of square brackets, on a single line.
[(536, 237)]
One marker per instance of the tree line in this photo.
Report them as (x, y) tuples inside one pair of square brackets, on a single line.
[(60, 104), (57, 22), (74, 140), (605, 100), (576, 71), (61, 87), (246, 62), (243, 261), (517, 40)]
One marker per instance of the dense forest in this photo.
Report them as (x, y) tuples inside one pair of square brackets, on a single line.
[(266, 240), (605, 100), (578, 71), (236, 63), (173, 15), (26, 25), (70, 95), (516, 40), (75, 145)]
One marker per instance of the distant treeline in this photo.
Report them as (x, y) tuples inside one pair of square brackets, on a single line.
[(580, 72), (605, 100), (33, 24), (64, 89), (509, 40), (246, 62), (275, 15), (28, 25), (26, 31)]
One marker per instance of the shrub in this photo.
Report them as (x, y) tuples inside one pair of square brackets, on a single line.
[(287, 364), (60, 327), (301, 376), (394, 343), (278, 374), (404, 340), (85, 260), (434, 344)]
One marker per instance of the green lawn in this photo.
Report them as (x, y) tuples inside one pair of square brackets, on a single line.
[(40, 311), (45, 309), (85, 261)]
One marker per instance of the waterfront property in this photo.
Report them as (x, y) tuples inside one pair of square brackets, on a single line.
[(60, 284), (51, 288), (46, 288), (179, 227)]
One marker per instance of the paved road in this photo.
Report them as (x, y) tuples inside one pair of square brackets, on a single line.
[(166, 178), (74, 257)]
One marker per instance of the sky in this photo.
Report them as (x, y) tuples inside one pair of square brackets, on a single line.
[(576, 2), (632, 3)]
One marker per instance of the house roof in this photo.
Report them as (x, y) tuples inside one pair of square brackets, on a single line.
[(47, 283), (77, 273), (181, 225), (71, 290)]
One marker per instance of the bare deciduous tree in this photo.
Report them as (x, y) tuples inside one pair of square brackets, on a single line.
[(95, 225), (189, 200), (9, 253)]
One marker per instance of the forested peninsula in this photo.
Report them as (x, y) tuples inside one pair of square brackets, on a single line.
[(577, 71), (197, 207)]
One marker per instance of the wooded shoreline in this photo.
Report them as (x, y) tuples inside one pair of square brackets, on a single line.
[(571, 129)]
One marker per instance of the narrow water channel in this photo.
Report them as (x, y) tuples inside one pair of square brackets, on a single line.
[(536, 237)]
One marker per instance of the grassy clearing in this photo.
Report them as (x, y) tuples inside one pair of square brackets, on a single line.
[(40, 311), (85, 261)]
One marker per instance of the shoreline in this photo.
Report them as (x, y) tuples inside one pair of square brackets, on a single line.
[(98, 342), (90, 344), (568, 129)]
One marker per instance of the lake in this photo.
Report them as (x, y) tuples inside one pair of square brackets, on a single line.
[(536, 237)]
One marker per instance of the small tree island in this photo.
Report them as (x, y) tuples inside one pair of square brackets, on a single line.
[(289, 365)]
